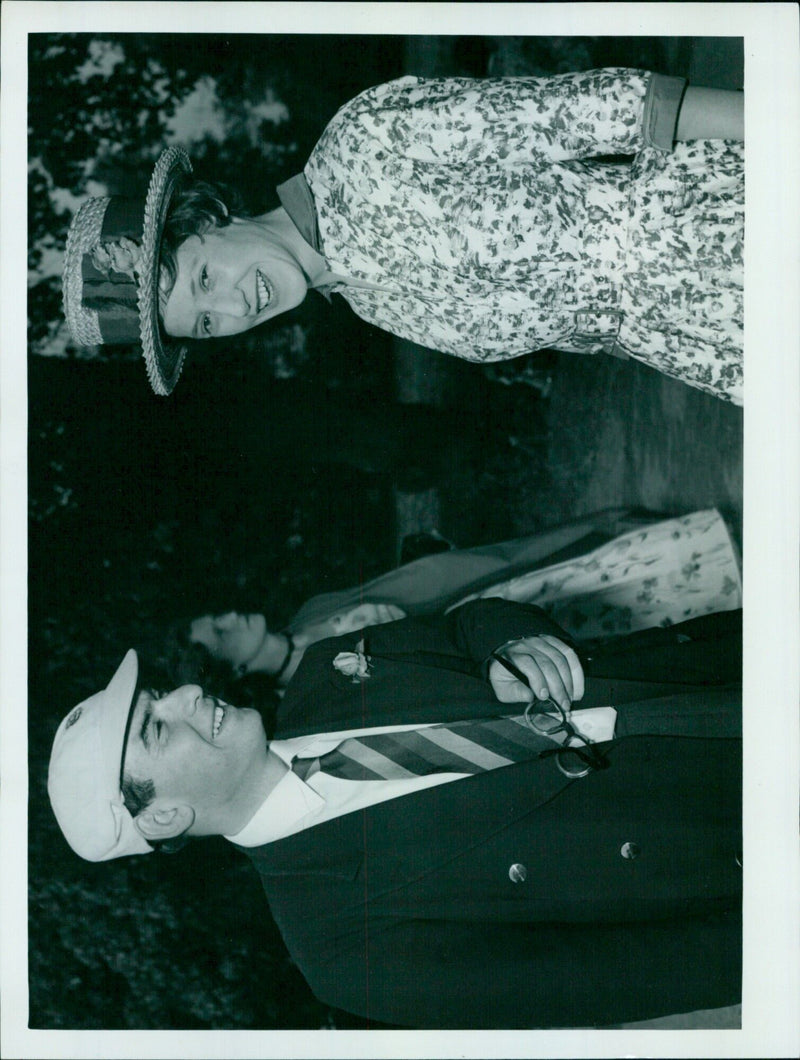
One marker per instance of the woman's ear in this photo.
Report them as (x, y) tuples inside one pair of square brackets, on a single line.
[(164, 823), (222, 207)]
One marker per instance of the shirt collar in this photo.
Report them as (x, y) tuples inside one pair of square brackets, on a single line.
[(282, 813), (291, 804), (297, 200)]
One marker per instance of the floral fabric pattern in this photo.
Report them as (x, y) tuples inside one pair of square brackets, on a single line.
[(654, 576), (480, 214)]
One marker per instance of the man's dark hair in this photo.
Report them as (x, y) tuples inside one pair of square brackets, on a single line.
[(138, 794)]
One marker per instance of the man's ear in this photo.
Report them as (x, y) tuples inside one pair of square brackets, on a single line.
[(164, 823)]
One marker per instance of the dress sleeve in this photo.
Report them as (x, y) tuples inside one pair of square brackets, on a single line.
[(452, 121)]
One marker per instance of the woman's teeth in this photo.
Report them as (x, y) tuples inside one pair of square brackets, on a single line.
[(263, 291)]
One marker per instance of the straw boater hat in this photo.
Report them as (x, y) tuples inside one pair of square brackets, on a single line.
[(111, 272)]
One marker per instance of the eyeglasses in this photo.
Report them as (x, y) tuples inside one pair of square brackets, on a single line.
[(577, 756)]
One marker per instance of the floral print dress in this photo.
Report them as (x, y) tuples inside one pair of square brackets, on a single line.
[(481, 218), (647, 572), (655, 575)]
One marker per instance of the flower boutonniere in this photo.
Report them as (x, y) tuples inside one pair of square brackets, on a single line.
[(354, 664)]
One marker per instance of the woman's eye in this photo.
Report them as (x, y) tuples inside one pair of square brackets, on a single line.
[(204, 278), (205, 324), (159, 726)]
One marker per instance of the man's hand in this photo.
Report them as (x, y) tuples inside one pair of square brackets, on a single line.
[(550, 669)]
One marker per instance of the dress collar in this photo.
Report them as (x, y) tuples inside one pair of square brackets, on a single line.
[(297, 200)]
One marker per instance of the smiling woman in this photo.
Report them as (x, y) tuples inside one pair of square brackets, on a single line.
[(232, 278), (480, 218), (180, 266)]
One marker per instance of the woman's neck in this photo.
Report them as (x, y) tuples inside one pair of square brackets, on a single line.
[(272, 654), (282, 229)]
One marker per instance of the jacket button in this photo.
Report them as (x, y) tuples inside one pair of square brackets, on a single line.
[(517, 873), (630, 850)]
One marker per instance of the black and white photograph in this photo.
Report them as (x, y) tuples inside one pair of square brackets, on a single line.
[(399, 536)]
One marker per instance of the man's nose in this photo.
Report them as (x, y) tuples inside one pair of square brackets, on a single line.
[(180, 703)]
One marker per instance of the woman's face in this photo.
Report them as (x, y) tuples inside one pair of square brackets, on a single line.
[(231, 279), (232, 638)]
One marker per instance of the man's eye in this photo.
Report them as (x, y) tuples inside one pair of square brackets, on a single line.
[(204, 278), (205, 324), (159, 727)]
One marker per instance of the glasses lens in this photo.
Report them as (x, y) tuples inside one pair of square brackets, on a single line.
[(545, 723), (572, 764), (541, 722)]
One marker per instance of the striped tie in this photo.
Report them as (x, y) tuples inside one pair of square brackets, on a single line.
[(463, 747)]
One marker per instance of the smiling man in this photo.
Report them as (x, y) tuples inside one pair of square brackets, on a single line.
[(207, 765), (174, 764), (452, 825)]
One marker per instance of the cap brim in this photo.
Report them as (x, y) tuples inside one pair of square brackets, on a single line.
[(118, 703)]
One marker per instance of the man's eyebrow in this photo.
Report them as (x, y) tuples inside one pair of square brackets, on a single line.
[(144, 728)]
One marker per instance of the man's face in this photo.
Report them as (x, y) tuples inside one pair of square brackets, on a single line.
[(231, 279), (199, 753), (232, 638)]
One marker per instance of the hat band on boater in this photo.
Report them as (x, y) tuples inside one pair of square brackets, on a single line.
[(114, 295)]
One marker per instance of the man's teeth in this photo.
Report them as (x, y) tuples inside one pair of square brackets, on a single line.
[(262, 291), (219, 714)]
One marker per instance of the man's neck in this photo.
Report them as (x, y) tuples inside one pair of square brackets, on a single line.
[(273, 772)]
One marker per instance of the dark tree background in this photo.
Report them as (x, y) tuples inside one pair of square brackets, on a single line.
[(268, 476)]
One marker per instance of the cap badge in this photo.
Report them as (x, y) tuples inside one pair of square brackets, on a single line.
[(73, 718)]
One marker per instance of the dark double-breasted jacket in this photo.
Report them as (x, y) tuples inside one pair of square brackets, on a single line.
[(519, 897)]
